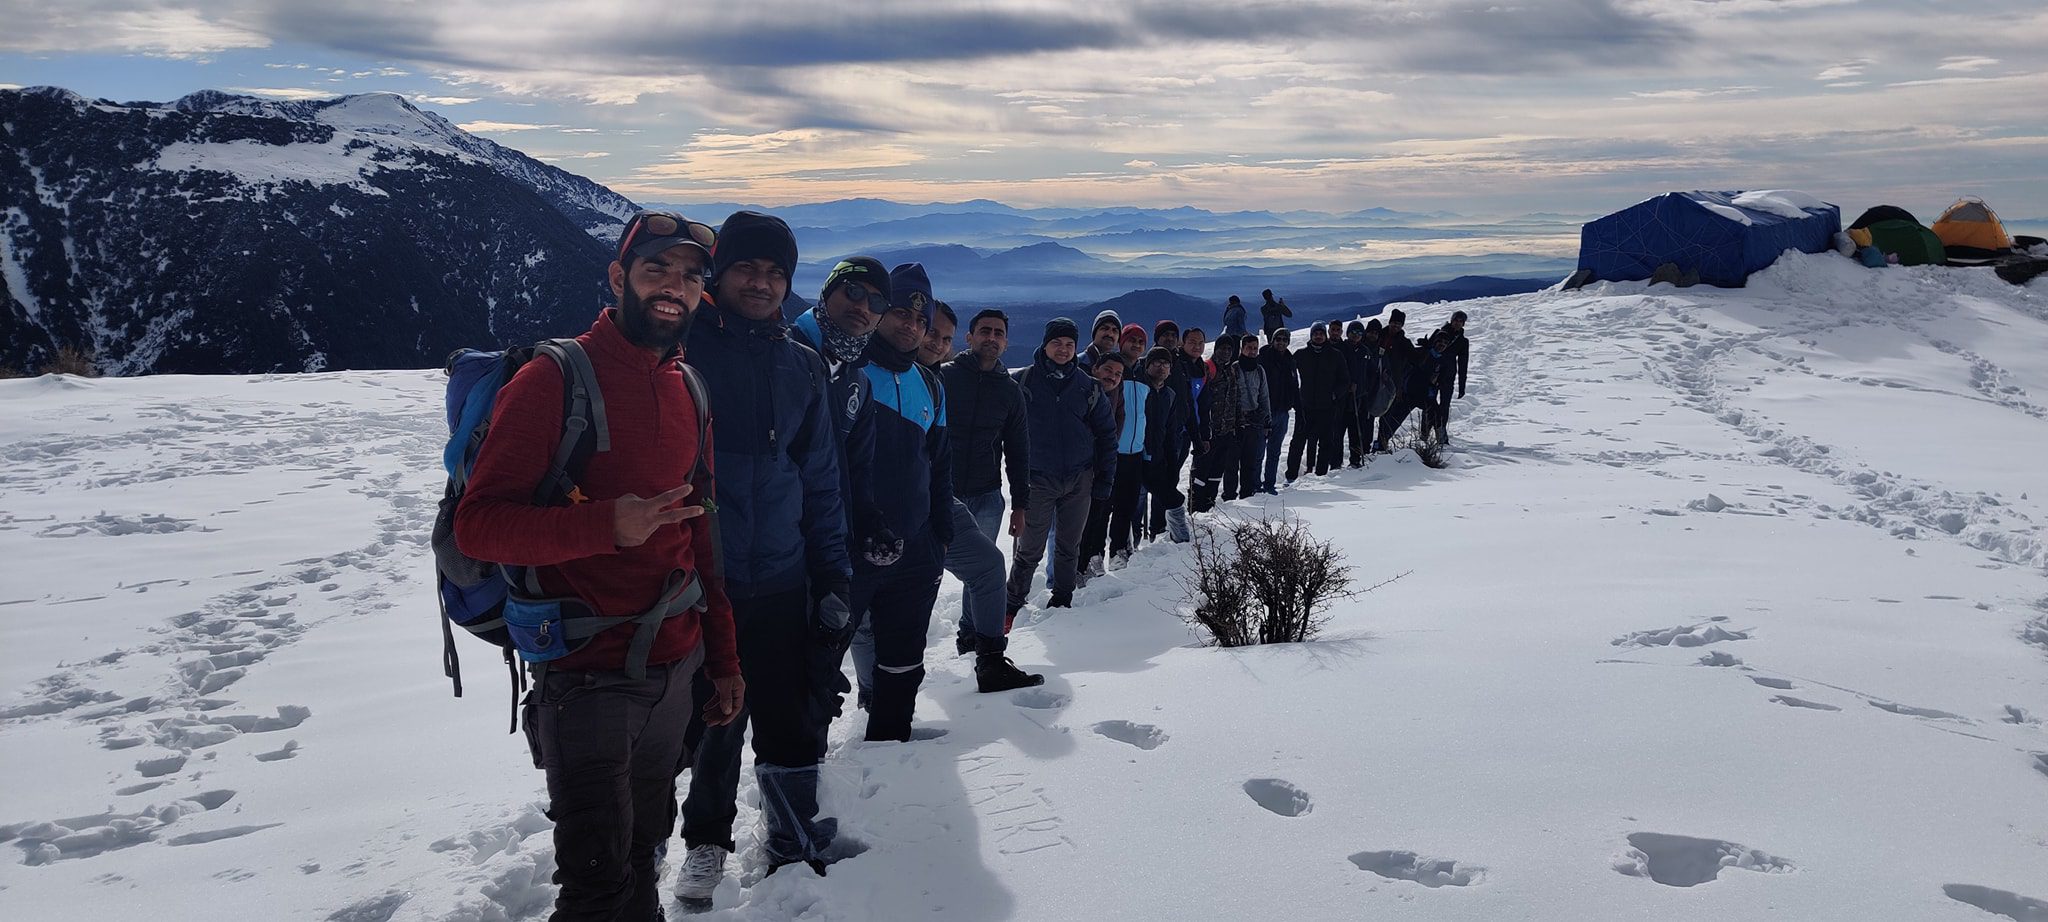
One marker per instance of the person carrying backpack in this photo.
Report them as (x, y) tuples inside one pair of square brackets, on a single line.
[(1251, 443), (606, 722), (1072, 462), (783, 526), (1398, 357), (1233, 318), (1225, 410)]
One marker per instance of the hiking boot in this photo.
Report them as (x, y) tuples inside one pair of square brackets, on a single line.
[(1095, 567), (703, 870), (1060, 600), (993, 672), (1177, 525), (1119, 560), (964, 642)]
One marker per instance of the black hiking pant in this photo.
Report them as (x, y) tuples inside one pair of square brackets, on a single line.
[(609, 744), (1162, 483), (1443, 414), (1317, 432), (1242, 480), (896, 603), (1131, 474), (787, 694), (1095, 535), (1358, 429), (1058, 507), (1209, 471), (1395, 416)]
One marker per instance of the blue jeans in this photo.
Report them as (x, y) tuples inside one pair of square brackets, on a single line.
[(1275, 438)]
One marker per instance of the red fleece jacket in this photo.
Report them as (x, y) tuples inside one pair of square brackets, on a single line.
[(654, 448)]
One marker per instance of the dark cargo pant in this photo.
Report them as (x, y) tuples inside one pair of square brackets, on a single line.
[(1065, 499), (609, 745)]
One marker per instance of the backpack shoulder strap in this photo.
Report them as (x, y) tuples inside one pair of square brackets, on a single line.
[(702, 475), (583, 411), (931, 383), (576, 367)]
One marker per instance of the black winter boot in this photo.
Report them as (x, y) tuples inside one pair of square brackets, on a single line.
[(895, 698), (993, 672), (1061, 600)]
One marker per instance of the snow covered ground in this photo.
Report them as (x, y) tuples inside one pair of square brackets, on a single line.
[(1731, 604)]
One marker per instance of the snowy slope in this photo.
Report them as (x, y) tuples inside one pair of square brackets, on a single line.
[(224, 233), (1738, 589)]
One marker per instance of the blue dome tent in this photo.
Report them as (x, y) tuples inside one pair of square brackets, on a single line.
[(1721, 236)]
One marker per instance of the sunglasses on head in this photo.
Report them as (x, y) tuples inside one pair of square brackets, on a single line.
[(657, 224)]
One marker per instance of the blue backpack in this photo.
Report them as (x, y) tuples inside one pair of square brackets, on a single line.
[(502, 603)]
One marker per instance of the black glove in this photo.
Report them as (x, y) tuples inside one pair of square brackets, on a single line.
[(832, 615), (882, 548)]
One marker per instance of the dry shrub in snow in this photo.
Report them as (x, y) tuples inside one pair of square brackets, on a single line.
[(71, 361), (1256, 581)]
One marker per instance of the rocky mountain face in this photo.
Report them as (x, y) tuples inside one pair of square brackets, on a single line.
[(227, 234)]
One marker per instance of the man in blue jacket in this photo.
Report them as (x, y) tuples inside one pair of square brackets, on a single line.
[(1072, 461), (903, 505), (785, 556)]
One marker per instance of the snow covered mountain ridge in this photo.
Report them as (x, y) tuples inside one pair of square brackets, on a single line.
[(1731, 604), (224, 233)]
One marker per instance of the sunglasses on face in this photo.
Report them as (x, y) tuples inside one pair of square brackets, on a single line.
[(657, 224)]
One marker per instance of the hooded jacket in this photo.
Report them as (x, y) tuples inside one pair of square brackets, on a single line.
[(781, 509), (905, 484), (1069, 431), (1166, 421), (1257, 402), (1233, 318), (1273, 315), (985, 424)]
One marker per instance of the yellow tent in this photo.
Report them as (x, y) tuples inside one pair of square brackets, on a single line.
[(1970, 225)]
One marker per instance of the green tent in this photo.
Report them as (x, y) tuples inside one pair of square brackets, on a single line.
[(1913, 244)]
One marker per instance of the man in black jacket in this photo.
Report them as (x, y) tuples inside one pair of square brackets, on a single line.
[(1358, 360), (1283, 390), (986, 427), (1457, 353), (1325, 380), (1397, 357)]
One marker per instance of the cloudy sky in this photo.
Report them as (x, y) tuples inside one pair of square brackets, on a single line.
[(1491, 107)]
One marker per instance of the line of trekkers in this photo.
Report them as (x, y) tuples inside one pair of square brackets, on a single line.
[(723, 572)]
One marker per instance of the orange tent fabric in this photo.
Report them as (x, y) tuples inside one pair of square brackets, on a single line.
[(1971, 223)]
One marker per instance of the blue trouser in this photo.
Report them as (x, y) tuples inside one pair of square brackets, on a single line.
[(1276, 438), (975, 561)]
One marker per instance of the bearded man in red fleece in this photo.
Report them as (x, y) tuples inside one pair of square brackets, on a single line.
[(607, 721)]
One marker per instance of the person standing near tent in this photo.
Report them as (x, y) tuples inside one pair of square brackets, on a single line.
[(786, 568), (610, 759), (1283, 389), (1233, 318), (1273, 314), (1451, 370)]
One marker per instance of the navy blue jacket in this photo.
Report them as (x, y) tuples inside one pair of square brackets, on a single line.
[(780, 512), (1069, 432), (905, 483)]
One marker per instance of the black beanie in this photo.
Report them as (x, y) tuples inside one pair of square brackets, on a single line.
[(1159, 329), (753, 235), (1058, 327), (858, 269), (1396, 316)]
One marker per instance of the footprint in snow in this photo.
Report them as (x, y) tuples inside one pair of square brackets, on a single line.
[(1767, 682), (1279, 796), (1040, 699), (1910, 711), (1790, 701), (1683, 861), (1143, 736), (1998, 902), (1429, 872)]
